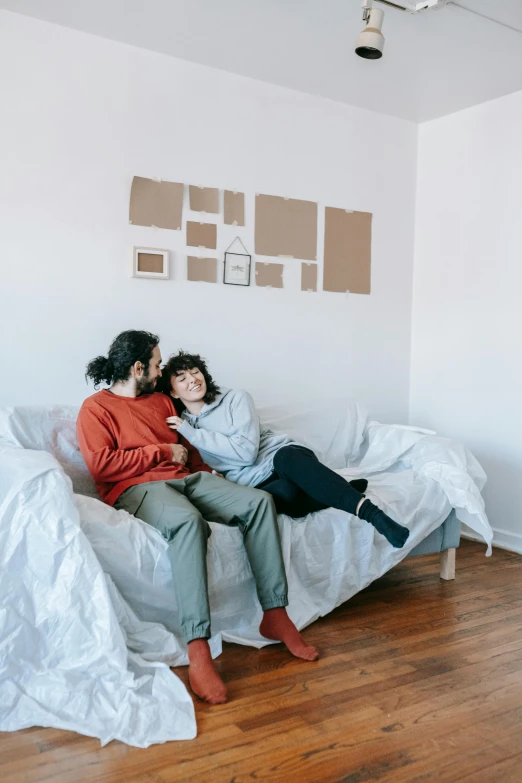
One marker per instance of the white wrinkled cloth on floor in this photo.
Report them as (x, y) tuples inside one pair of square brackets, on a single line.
[(88, 612)]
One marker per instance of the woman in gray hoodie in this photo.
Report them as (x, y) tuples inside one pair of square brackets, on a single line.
[(225, 428)]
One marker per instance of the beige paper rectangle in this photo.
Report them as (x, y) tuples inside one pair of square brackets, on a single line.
[(269, 275), (154, 203), (234, 208), (203, 199), (201, 269), (347, 251), (286, 227), (308, 277), (202, 235), (150, 262)]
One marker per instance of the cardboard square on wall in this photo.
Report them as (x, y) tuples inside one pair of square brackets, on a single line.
[(202, 269), (286, 227), (269, 275), (234, 208), (308, 277), (156, 203), (202, 235), (347, 251), (203, 199)]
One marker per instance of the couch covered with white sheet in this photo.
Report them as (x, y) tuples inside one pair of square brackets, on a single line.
[(88, 614)]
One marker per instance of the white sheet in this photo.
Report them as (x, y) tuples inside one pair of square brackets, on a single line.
[(64, 659), (75, 654)]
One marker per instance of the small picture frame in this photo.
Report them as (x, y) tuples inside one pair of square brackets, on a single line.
[(237, 269), (150, 262)]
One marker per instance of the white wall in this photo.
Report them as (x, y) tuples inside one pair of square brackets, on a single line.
[(467, 313), (81, 115)]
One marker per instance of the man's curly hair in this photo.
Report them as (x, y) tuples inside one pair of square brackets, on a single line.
[(179, 363)]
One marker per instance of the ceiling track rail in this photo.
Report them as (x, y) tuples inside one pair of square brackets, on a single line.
[(484, 16), (393, 5), (412, 10)]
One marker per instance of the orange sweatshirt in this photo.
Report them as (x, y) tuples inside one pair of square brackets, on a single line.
[(125, 441)]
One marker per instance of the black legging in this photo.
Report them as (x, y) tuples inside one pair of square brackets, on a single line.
[(301, 484)]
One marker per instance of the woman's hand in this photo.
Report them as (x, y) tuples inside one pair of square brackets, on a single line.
[(174, 422)]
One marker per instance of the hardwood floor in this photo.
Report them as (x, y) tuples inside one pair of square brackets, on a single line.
[(419, 680)]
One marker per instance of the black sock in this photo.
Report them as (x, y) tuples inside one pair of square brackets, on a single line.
[(396, 534), (361, 485)]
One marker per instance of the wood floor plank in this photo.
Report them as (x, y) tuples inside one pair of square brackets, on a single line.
[(420, 681), (389, 749), (508, 771)]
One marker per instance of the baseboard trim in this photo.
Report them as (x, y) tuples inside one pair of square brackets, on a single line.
[(503, 539)]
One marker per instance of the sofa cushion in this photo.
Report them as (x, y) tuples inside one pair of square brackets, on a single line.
[(333, 429)]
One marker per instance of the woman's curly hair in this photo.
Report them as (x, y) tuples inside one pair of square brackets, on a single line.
[(181, 362)]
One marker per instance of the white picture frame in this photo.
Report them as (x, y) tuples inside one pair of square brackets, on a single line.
[(151, 262)]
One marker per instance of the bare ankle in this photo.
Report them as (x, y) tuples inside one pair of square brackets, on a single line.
[(277, 625), (199, 648), (203, 677)]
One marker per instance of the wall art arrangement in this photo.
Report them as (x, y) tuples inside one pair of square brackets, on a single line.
[(284, 230)]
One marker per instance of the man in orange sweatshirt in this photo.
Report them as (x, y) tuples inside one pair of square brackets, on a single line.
[(142, 466)]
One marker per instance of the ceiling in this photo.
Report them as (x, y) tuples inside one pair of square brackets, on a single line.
[(435, 62)]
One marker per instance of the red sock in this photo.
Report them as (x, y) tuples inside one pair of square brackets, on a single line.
[(203, 677), (277, 625)]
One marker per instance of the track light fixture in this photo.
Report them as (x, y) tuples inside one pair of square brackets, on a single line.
[(370, 42)]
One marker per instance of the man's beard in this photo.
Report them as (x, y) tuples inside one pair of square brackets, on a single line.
[(145, 385)]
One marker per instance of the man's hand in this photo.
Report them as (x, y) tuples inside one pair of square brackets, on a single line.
[(179, 453), (174, 422)]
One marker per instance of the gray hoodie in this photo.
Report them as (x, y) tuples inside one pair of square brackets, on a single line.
[(232, 440)]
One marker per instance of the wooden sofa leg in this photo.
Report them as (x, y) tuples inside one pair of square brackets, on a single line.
[(447, 564)]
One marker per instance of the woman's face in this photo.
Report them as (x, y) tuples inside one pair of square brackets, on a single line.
[(188, 385)]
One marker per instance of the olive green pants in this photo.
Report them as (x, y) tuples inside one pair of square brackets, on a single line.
[(178, 510)]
